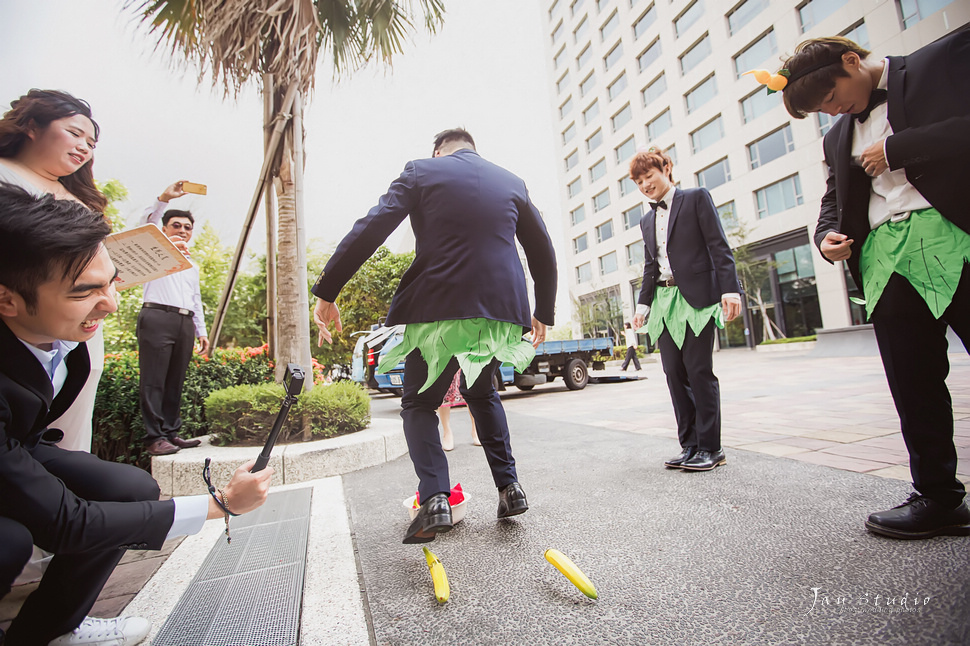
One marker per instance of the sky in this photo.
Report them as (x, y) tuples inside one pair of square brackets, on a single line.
[(484, 70)]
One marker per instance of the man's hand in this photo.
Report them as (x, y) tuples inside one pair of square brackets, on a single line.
[(182, 246), (638, 321), (323, 314), (873, 159), (731, 307), (836, 246), (538, 332), (204, 345), (245, 492), (172, 192)]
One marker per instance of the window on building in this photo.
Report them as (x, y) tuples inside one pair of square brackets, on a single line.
[(634, 254), (644, 21), (631, 217), (688, 17), (755, 54), (621, 118), (574, 187), (780, 196), (613, 56), (825, 122), (604, 231), (568, 133), (562, 83), (616, 87), (594, 141), (858, 34), (557, 60), (697, 53), (608, 263), (654, 91), (580, 30), (706, 135), (587, 85), (584, 57), (600, 202), (701, 94), (584, 273), (591, 112), (815, 11), (597, 170), (575, 6), (627, 186), (600, 4), (770, 147), (757, 103), (625, 150), (571, 160), (566, 107), (609, 26), (672, 153), (580, 244), (660, 124), (649, 56), (577, 215), (792, 264), (557, 32), (714, 175), (728, 216), (745, 13)]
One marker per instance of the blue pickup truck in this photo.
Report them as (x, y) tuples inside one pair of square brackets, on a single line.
[(570, 360)]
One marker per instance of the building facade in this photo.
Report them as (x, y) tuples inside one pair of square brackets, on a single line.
[(627, 74)]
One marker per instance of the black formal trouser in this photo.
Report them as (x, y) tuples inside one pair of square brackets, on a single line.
[(85, 549), (631, 354), (913, 347), (421, 424), (694, 390), (165, 344)]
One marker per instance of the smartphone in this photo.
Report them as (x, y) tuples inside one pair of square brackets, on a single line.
[(192, 187)]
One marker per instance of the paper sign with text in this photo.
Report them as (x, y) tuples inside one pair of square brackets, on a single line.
[(142, 254)]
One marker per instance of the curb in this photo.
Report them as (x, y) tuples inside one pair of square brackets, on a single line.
[(180, 474)]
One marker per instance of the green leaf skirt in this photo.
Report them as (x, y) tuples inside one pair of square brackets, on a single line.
[(475, 342), (672, 311), (926, 249)]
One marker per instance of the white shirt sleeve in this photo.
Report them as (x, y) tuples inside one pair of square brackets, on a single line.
[(198, 315), (190, 515), (734, 296), (642, 309), (154, 213)]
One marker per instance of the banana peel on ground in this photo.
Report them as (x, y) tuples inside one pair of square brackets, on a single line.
[(441, 588), (565, 565)]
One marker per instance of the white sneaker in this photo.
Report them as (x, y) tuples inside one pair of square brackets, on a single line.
[(120, 631)]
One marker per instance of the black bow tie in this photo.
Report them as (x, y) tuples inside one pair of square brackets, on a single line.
[(877, 97), (661, 204)]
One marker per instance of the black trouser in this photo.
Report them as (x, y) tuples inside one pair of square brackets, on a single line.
[(165, 344), (913, 347), (85, 547), (421, 424), (694, 390), (631, 354)]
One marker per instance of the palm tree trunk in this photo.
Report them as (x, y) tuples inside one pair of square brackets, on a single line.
[(269, 90)]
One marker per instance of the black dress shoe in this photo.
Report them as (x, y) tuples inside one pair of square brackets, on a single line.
[(184, 444), (921, 517), (433, 518), (161, 446), (683, 456), (511, 501), (704, 461)]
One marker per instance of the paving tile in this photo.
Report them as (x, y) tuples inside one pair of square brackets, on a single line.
[(839, 461), (895, 472), (810, 443), (772, 448), (842, 437), (871, 453)]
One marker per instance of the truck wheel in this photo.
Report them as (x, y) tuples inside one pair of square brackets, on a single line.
[(526, 388), (575, 375)]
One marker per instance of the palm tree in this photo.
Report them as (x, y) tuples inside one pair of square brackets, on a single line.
[(276, 44)]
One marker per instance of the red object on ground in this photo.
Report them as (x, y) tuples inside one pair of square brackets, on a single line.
[(456, 496)]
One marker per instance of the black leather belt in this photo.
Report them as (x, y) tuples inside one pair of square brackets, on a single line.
[(168, 308), (666, 283)]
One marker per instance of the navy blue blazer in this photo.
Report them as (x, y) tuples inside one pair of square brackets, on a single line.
[(929, 110), (466, 214), (699, 253)]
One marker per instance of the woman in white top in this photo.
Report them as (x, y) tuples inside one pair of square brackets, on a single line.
[(47, 141)]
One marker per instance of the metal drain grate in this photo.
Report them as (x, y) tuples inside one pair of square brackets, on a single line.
[(248, 593)]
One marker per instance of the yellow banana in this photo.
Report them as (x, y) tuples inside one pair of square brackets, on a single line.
[(441, 588), (573, 573)]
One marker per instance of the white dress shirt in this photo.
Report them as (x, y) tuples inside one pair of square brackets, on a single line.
[(891, 196), (181, 289)]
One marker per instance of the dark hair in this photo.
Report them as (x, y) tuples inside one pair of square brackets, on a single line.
[(807, 87), (652, 158), (39, 108), (40, 235), (176, 213), (454, 134)]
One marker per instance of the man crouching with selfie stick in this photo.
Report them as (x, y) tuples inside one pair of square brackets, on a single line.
[(56, 287)]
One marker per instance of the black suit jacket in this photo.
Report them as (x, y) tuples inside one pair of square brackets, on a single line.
[(466, 214), (29, 494), (929, 110), (699, 253)]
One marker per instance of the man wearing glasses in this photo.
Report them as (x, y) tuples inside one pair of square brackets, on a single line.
[(170, 320)]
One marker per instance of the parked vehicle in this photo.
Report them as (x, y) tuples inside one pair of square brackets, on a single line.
[(367, 354)]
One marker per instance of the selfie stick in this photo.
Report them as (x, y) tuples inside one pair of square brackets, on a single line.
[(294, 385)]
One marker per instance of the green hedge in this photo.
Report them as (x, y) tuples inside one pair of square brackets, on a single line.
[(793, 339), (118, 427), (246, 414)]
